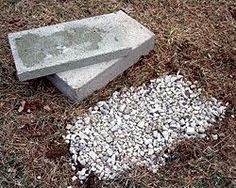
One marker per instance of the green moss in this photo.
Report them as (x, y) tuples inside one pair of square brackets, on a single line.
[(33, 48)]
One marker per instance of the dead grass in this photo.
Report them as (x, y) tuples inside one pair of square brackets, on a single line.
[(197, 37)]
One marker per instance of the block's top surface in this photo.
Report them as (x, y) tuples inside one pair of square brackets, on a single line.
[(137, 34), (70, 42)]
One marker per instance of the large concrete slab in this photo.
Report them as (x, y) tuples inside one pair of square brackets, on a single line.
[(79, 83), (56, 48)]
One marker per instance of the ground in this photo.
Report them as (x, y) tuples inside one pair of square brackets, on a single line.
[(196, 37)]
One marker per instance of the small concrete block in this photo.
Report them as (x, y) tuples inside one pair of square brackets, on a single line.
[(77, 84), (56, 48)]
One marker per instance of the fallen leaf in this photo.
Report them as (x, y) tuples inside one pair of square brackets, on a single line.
[(26, 119), (1, 104), (22, 106), (11, 170), (31, 106), (47, 108), (14, 20)]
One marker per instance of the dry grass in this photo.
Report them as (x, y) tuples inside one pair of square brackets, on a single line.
[(197, 37)]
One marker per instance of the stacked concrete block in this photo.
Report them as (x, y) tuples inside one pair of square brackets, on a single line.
[(56, 48), (82, 56)]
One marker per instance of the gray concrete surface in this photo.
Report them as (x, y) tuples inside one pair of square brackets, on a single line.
[(56, 48), (77, 84)]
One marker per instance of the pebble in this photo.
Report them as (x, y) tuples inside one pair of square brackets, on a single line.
[(109, 139), (74, 178), (147, 141), (214, 136), (150, 152), (136, 124), (93, 155), (122, 107), (182, 122), (109, 151), (175, 126), (142, 153), (86, 120), (155, 134), (190, 131), (141, 124), (126, 117), (73, 167), (201, 130), (68, 126)]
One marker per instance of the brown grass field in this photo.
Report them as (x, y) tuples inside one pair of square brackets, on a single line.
[(197, 37)]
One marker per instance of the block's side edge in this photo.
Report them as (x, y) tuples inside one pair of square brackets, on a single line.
[(44, 71), (17, 61), (63, 87)]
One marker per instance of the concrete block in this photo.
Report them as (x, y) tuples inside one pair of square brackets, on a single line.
[(77, 84), (56, 48)]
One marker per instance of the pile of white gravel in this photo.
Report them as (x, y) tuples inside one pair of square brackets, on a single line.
[(136, 125)]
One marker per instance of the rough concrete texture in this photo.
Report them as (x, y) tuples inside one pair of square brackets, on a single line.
[(77, 84), (66, 46)]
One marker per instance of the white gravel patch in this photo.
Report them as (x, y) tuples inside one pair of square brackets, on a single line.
[(136, 125)]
